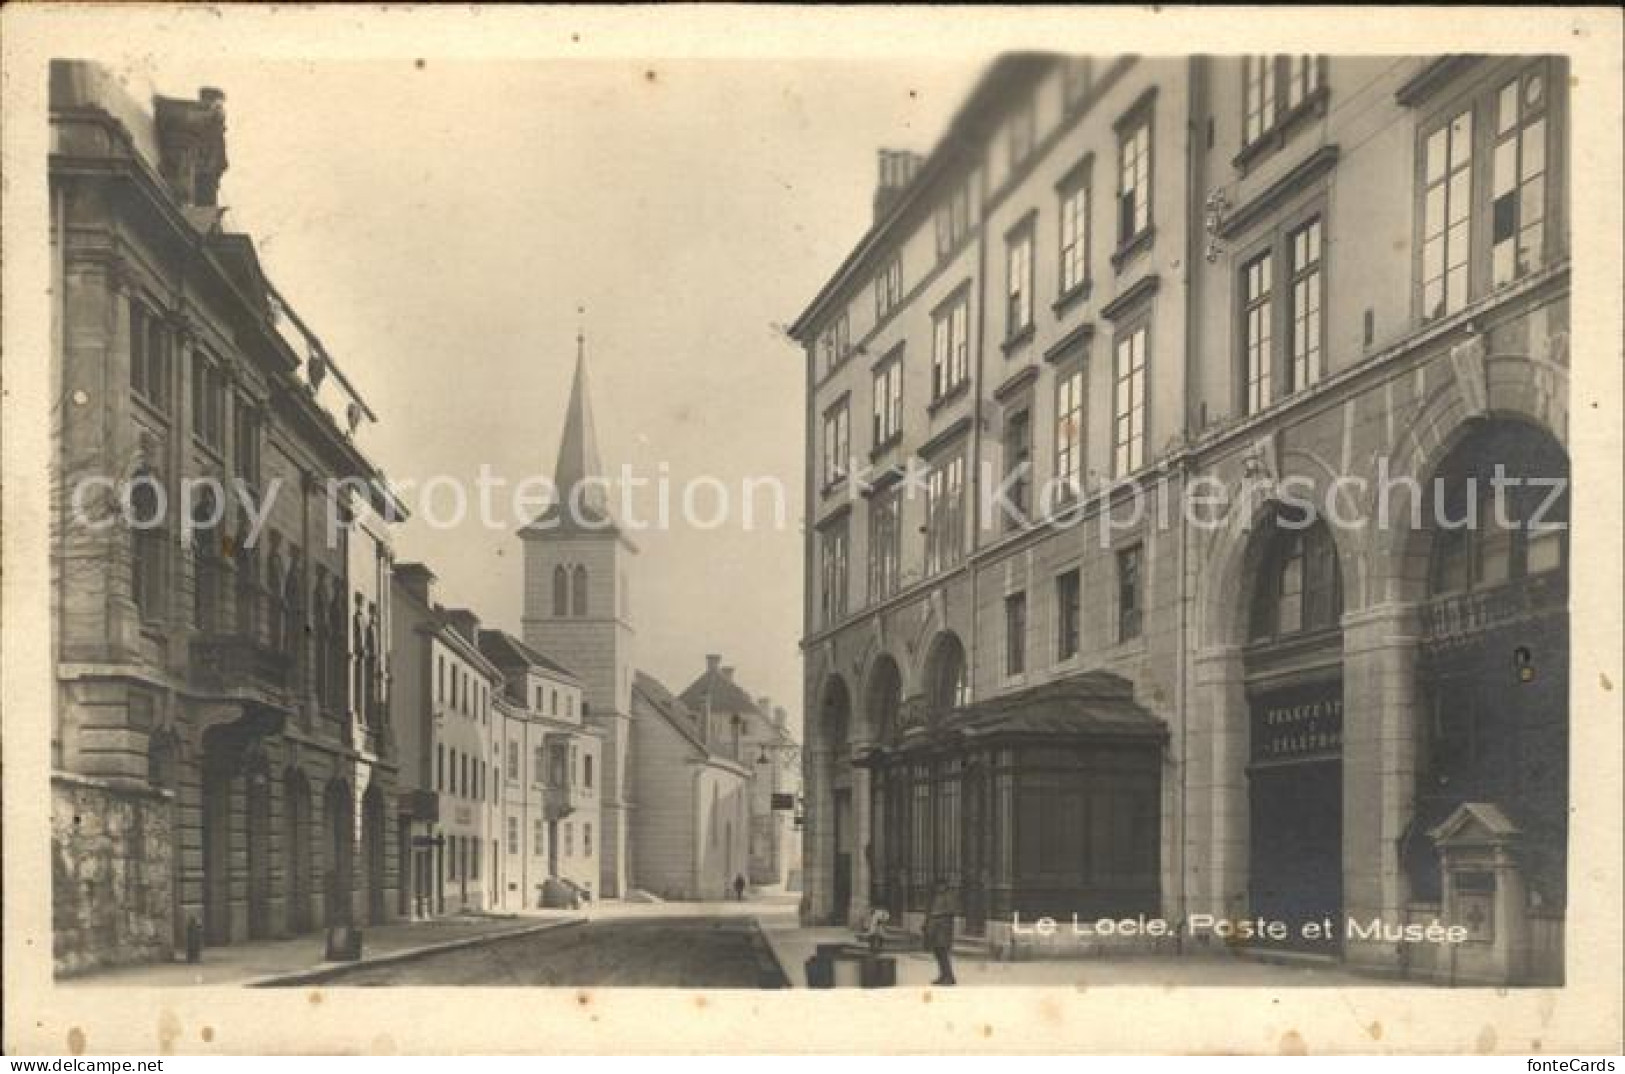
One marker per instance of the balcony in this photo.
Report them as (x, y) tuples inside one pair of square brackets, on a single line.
[(559, 800), (234, 663), (1462, 618)]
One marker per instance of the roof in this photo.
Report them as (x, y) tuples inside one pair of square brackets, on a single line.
[(988, 94), (666, 704), (578, 459), (1097, 705), (505, 650), (724, 694)]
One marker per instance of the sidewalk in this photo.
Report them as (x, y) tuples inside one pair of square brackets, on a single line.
[(793, 944), (291, 961)]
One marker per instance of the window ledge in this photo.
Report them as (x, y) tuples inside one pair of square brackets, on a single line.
[(949, 397), (1014, 343), (153, 410), (885, 446), (1134, 246), (1068, 300)]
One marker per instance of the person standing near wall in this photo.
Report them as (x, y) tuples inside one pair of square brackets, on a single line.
[(939, 931)]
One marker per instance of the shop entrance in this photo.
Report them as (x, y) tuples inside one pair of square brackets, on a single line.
[(1295, 799)]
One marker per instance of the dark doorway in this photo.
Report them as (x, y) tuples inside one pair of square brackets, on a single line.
[(340, 852), (217, 795), (841, 904), (373, 827), (296, 844), (1297, 847), (259, 854)]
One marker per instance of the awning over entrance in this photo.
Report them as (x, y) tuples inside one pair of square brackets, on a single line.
[(1097, 706)]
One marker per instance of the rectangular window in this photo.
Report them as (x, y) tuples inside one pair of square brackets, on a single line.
[(1069, 432), (513, 835), (953, 219), (586, 839), (1258, 96), (149, 356), (1068, 614), (1302, 79), (885, 543), (944, 515), (1018, 443), (1015, 634), (1447, 159), (1273, 89), (513, 762), (1077, 76), (569, 839), (208, 401), (1074, 216), (1134, 180), (1257, 352), (539, 839), (1023, 134), (837, 444), (836, 343), (950, 347), (245, 435), (1303, 246), (888, 400), (1128, 592), (1518, 206), (889, 287), (440, 767), (1018, 296), (1128, 403), (833, 569)]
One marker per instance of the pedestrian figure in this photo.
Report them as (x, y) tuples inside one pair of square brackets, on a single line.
[(939, 932), (739, 888)]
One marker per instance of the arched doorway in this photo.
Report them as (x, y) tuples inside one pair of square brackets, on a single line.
[(835, 720), (1294, 683), (257, 777), (340, 878), (296, 847), (1492, 670), (373, 829), (883, 698)]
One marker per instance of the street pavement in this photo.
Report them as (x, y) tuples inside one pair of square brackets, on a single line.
[(650, 951), (752, 944)]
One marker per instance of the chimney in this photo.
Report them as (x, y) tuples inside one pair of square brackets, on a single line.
[(897, 169), (727, 673), (192, 145), (465, 623), (418, 580), (764, 704), (780, 717), (711, 662)]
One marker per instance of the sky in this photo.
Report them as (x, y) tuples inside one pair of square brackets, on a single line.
[(439, 224)]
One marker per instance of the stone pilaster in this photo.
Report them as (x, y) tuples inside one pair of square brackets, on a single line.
[(1217, 771), (1380, 712)]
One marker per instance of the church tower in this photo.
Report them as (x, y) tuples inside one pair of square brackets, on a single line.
[(578, 610)]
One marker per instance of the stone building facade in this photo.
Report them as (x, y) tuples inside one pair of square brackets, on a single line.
[(222, 755), (1139, 635)]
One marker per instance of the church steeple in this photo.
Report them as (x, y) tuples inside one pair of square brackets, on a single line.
[(578, 448)]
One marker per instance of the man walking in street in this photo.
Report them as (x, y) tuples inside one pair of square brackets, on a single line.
[(939, 931), (739, 888)]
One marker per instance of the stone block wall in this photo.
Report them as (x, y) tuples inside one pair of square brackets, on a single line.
[(110, 874)]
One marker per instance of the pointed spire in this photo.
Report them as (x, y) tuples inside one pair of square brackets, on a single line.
[(578, 447)]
